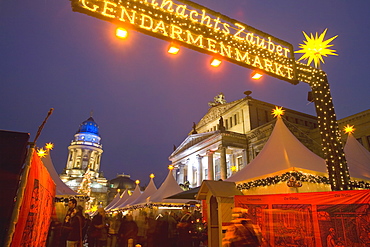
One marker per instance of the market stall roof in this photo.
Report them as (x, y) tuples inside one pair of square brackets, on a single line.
[(150, 190), (358, 159), (115, 199), (217, 189), (187, 194), (169, 187), (283, 151), (61, 188), (123, 198), (133, 197)]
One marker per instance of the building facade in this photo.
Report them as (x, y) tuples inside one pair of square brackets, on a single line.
[(232, 134)]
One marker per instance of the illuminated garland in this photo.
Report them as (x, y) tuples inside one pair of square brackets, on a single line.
[(299, 176), (152, 205), (66, 199)]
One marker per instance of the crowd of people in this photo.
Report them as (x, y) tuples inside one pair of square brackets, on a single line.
[(166, 229)]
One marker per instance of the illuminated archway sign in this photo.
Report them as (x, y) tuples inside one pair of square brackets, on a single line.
[(199, 28)]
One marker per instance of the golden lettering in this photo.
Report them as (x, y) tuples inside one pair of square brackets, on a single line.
[(261, 43), (169, 3), (224, 50), (154, 3), (176, 32), (271, 45), (160, 27), (241, 58), (278, 69), (279, 50), (257, 62), (191, 15), (144, 20), (217, 21), (212, 45), (93, 8), (250, 38), (205, 18), (108, 7), (268, 65), (124, 13), (226, 29), (290, 72), (181, 10), (286, 51), (240, 30), (198, 41)]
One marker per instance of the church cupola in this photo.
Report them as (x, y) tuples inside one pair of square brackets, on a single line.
[(85, 150)]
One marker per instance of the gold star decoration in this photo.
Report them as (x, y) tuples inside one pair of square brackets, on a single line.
[(348, 129), (49, 146), (278, 111), (315, 47), (41, 153)]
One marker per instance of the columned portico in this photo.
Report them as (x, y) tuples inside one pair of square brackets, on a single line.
[(211, 173), (223, 166), (200, 170)]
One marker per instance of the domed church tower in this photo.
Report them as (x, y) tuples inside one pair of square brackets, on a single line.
[(84, 155), (85, 150)]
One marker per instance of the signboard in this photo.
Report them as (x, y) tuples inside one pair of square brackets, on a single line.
[(194, 26)]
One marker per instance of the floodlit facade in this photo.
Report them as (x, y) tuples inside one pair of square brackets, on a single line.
[(232, 134)]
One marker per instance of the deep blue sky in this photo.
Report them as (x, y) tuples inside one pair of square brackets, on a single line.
[(144, 100)]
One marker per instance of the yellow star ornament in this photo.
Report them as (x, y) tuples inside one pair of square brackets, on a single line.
[(49, 146), (315, 47), (41, 153), (349, 129), (278, 111)]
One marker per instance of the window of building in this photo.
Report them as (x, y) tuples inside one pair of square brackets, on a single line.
[(368, 140), (231, 122), (226, 124)]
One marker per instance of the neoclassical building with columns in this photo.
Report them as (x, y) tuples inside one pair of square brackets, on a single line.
[(232, 134)]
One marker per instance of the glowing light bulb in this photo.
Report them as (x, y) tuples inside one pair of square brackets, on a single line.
[(215, 62), (121, 33)]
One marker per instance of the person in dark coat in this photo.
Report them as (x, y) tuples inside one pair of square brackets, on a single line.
[(74, 238), (97, 233), (66, 225), (127, 231)]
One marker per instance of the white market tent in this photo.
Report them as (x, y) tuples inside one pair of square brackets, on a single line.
[(122, 199), (133, 197), (358, 159), (168, 188), (114, 201), (144, 197), (61, 188), (282, 153)]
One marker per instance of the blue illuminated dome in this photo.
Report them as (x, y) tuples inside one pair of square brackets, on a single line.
[(89, 126)]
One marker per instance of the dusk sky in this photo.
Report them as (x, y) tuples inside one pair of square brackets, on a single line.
[(145, 100)]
